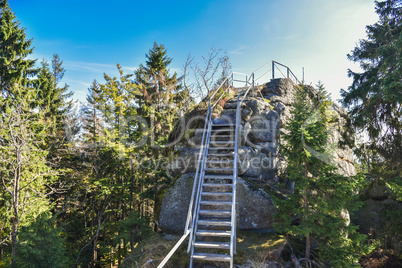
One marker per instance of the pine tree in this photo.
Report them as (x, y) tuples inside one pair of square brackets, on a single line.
[(46, 90), (320, 195), (92, 119), (27, 178), (61, 96), (160, 102), (374, 101), (41, 244), (375, 96), (160, 93), (15, 68)]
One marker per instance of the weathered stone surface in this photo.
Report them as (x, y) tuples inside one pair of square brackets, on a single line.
[(264, 127), (256, 164), (280, 90), (254, 206), (259, 159), (184, 161), (378, 190), (175, 202)]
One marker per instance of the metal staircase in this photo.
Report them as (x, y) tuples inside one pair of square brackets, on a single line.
[(215, 220), (211, 219)]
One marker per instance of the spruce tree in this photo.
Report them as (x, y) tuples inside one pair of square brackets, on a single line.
[(320, 195), (27, 179), (375, 96), (15, 68), (41, 244), (160, 93), (374, 101), (92, 116)]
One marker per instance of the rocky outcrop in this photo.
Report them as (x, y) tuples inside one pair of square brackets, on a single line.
[(254, 207), (259, 163)]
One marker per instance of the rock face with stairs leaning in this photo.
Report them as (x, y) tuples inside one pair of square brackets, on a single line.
[(263, 116)]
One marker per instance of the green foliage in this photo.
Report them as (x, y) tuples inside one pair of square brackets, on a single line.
[(374, 102), (15, 68), (374, 98), (41, 244), (23, 167), (321, 198), (134, 227)]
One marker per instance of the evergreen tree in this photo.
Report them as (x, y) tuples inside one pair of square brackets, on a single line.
[(46, 90), (113, 103), (160, 93), (15, 68), (374, 101), (375, 96), (320, 195), (61, 96), (41, 244), (27, 179), (92, 117)]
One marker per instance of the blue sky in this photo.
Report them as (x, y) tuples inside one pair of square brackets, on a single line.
[(92, 36)]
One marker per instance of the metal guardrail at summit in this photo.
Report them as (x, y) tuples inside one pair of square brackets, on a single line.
[(234, 80)]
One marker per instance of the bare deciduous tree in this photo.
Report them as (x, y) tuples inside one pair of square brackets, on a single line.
[(206, 75)]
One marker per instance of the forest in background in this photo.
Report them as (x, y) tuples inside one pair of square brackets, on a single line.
[(82, 191)]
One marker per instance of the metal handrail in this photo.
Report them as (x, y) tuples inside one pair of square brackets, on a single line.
[(200, 182), (235, 166), (201, 164)]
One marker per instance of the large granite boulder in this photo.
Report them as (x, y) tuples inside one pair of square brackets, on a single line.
[(175, 202), (262, 119), (254, 207)]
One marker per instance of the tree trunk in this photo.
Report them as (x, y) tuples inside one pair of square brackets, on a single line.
[(16, 194), (308, 239)]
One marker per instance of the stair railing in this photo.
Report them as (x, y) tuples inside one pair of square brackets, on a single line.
[(250, 82), (195, 195)]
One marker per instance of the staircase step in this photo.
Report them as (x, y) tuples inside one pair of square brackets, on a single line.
[(220, 155), (222, 142), (225, 213), (226, 170), (224, 125), (217, 184), (213, 233), (211, 257), (216, 194), (220, 161), (220, 148), (216, 203), (227, 138), (222, 130), (208, 244), (221, 177), (214, 222)]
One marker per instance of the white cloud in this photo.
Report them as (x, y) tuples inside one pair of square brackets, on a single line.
[(95, 67), (82, 83), (239, 50)]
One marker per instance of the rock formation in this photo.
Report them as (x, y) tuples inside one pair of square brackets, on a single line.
[(260, 166)]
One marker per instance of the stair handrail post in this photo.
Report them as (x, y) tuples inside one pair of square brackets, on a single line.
[(273, 70), (200, 181), (253, 82), (197, 175), (227, 85), (235, 170)]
